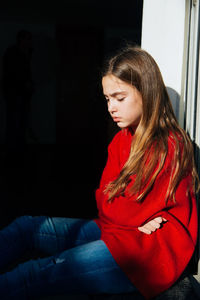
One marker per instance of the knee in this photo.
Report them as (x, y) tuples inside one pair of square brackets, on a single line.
[(24, 225), (23, 222)]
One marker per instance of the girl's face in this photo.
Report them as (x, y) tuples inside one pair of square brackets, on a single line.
[(124, 101)]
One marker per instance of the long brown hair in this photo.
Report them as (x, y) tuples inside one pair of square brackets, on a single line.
[(150, 143)]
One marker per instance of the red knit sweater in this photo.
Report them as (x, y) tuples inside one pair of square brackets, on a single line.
[(152, 262)]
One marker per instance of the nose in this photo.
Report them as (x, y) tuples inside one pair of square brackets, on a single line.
[(112, 106)]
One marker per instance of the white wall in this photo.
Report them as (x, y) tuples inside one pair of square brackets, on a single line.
[(163, 37)]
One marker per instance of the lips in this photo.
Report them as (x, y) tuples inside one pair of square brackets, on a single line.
[(115, 119)]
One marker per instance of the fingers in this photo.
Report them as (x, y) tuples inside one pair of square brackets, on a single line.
[(152, 225), (160, 219), (144, 230)]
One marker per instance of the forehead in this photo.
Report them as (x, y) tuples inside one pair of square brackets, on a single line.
[(111, 84)]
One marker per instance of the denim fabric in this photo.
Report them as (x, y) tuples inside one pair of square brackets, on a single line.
[(77, 262)]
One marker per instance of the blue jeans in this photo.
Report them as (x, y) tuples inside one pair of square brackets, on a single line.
[(76, 261)]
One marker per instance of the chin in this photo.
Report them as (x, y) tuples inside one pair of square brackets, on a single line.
[(122, 127)]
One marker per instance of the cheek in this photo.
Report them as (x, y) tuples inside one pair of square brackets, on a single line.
[(135, 112), (140, 110)]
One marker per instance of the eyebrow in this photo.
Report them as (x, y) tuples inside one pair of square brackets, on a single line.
[(115, 94)]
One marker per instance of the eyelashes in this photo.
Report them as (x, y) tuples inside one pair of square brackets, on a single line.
[(120, 99)]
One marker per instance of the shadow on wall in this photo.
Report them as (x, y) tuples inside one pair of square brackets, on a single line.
[(43, 106), (175, 100), (43, 65)]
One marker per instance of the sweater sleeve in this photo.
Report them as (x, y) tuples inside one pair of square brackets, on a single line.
[(152, 262), (110, 172), (160, 258)]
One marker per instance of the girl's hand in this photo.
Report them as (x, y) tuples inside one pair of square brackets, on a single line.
[(152, 225)]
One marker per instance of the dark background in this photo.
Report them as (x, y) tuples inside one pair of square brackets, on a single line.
[(71, 39)]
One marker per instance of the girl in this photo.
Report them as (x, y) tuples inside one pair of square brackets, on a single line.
[(149, 178)]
